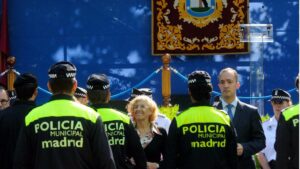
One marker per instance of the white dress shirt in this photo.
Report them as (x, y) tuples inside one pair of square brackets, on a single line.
[(163, 121), (269, 128), (234, 104)]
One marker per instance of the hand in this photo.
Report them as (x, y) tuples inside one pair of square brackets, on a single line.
[(240, 149), (132, 161), (152, 165), (263, 162)]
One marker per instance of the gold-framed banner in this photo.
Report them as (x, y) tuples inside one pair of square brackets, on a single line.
[(198, 27)]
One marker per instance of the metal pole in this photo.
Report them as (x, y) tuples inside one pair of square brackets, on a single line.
[(166, 80), (11, 76)]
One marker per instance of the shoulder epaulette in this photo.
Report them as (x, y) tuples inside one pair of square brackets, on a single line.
[(291, 112), (288, 108)]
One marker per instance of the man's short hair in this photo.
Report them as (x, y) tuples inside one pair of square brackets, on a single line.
[(25, 85), (97, 96), (61, 85), (229, 69)]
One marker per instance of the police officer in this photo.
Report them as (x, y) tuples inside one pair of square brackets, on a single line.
[(287, 137), (280, 100), (201, 136), (162, 120), (62, 133), (122, 136), (12, 117), (81, 95)]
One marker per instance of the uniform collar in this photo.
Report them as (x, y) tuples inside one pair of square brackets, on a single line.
[(18, 102), (234, 103), (62, 97), (100, 105), (200, 104)]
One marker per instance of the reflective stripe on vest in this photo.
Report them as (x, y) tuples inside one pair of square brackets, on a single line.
[(291, 112), (61, 108), (108, 114)]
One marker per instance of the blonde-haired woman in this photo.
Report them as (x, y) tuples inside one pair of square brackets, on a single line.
[(153, 139)]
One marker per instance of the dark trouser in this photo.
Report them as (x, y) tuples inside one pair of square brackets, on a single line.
[(272, 164)]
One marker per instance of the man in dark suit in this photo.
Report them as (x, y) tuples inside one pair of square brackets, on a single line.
[(246, 120), (11, 118)]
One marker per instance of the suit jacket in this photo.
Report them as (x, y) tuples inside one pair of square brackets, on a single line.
[(250, 134), (11, 120)]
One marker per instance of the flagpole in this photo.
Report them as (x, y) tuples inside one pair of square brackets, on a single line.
[(4, 43)]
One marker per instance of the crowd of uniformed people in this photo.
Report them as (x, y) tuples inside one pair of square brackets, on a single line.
[(78, 128)]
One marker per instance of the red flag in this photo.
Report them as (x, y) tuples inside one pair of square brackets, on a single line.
[(4, 49)]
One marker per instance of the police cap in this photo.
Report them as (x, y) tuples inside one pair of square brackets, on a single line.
[(200, 79), (98, 82), (62, 70), (279, 95), (80, 92), (141, 91)]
